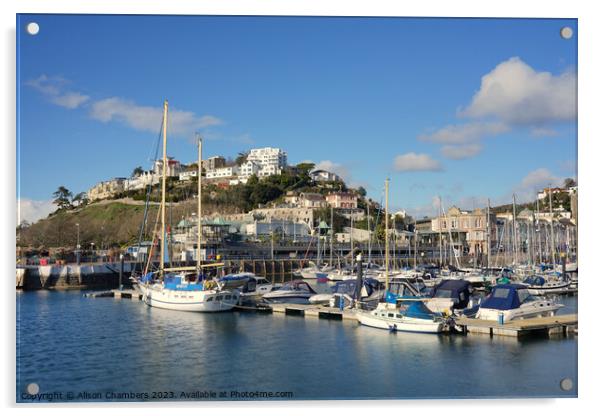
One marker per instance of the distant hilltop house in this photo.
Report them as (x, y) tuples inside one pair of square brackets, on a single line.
[(174, 167), (320, 175), (544, 193), (213, 162), (261, 162), (106, 189), (345, 200)]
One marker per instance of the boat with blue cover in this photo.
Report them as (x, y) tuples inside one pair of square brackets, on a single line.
[(511, 301), (453, 297), (550, 284)]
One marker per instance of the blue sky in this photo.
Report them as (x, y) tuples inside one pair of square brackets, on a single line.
[(467, 109)]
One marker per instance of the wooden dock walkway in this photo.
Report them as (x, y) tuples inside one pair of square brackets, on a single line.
[(314, 311), (550, 325)]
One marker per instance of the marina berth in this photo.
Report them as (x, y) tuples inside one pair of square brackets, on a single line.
[(513, 301), (407, 317)]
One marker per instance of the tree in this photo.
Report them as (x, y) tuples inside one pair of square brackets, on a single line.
[(80, 199), (569, 182), (241, 158), (62, 197), (362, 191), (306, 167), (137, 171)]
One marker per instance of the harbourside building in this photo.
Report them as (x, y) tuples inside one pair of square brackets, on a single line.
[(469, 227)]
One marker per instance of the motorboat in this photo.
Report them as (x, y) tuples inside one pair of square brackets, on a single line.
[(453, 297), (296, 291), (344, 294), (513, 301), (540, 285), (313, 272), (254, 288), (234, 280), (409, 316)]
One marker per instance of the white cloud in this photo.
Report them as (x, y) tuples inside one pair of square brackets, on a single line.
[(32, 210), (543, 132), (465, 133), (535, 180), (54, 89), (148, 118), (70, 100), (413, 162), (463, 151), (517, 94)]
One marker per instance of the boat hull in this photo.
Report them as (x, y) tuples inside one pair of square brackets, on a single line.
[(189, 301), (403, 324)]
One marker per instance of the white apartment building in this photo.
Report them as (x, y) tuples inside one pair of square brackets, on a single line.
[(173, 167), (141, 181), (248, 169), (188, 175), (220, 173), (270, 159)]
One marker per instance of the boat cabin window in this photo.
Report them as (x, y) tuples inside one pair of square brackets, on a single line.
[(443, 293), (210, 299), (218, 298), (501, 293), (523, 295), (391, 315), (398, 316), (227, 297)]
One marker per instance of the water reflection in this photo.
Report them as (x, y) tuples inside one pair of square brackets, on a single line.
[(70, 343)]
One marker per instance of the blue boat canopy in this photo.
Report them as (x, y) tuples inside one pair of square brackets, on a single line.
[(413, 309), (456, 289), (505, 297), (174, 282)]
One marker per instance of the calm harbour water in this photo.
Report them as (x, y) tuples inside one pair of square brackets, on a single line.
[(105, 348)]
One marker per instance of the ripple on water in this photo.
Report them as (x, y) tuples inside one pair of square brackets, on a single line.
[(70, 343)]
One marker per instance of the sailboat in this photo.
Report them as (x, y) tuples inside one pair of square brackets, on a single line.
[(409, 315), (184, 288)]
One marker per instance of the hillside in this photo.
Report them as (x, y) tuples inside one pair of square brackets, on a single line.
[(118, 221)]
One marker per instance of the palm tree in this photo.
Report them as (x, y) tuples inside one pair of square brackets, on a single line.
[(137, 171)]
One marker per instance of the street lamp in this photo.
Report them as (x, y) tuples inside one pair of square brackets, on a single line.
[(78, 246)]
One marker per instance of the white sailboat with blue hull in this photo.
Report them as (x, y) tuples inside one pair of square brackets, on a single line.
[(184, 288)]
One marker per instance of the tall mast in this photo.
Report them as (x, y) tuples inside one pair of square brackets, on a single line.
[(514, 236), (369, 234), (440, 238), (199, 233), (552, 242), (488, 234), (537, 231), (163, 187), (351, 240), (331, 232), (386, 235), (415, 243)]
